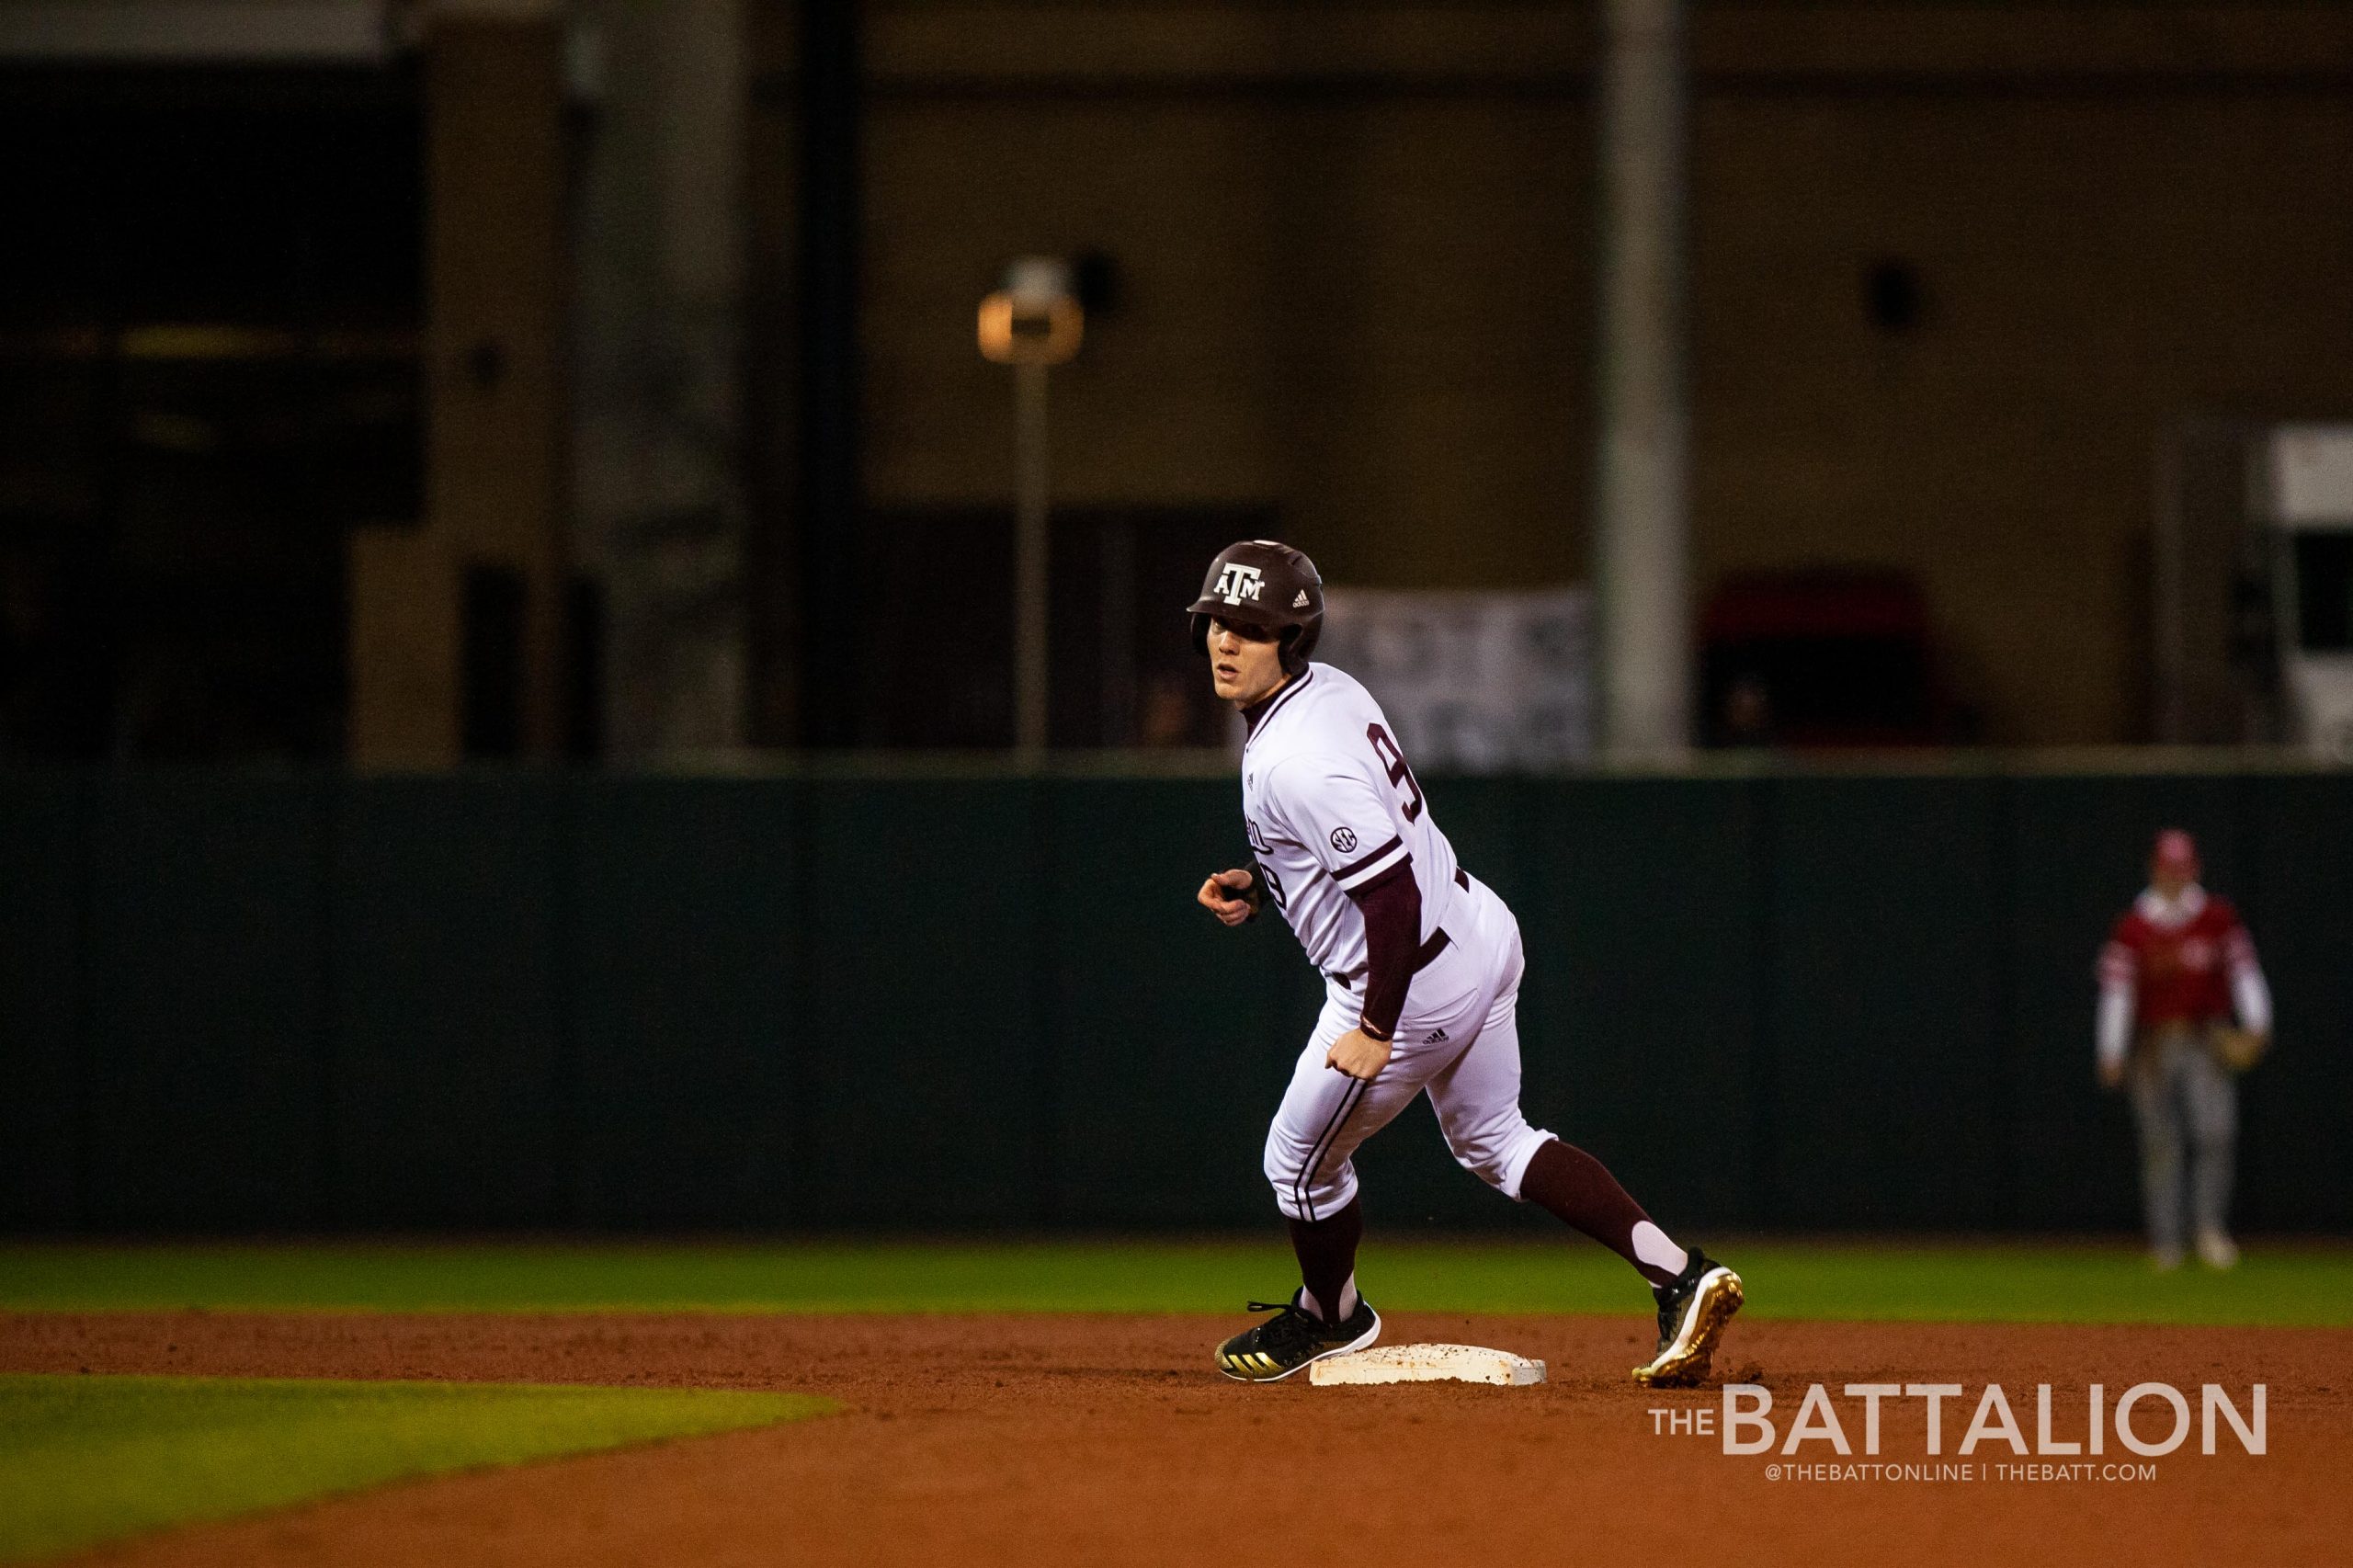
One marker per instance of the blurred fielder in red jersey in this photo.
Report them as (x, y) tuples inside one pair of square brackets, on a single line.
[(2177, 967)]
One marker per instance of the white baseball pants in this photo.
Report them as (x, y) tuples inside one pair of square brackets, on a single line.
[(2182, 1097), (1458, 1041)]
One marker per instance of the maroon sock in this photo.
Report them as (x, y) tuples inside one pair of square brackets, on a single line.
[(1327, 1254), (1581, 1191)]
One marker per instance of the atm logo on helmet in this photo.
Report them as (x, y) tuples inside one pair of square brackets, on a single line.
[(1237, 583)]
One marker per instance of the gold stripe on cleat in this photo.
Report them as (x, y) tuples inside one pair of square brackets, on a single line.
[(1686, 1361)]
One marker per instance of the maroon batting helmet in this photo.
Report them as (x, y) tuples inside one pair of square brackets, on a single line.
[(1261, 583)]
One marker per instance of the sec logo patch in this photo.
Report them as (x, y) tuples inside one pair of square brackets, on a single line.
[(1343, 840)]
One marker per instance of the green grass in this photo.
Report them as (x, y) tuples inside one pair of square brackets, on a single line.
[(1962, 1281), (84, 1460)]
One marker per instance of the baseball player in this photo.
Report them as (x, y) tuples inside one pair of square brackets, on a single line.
[(1421, 963), (2176, 968)]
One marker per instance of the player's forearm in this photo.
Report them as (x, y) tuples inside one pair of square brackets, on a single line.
[(2249, 995), (1392, 907), (2252, 996), (2115, 1026)]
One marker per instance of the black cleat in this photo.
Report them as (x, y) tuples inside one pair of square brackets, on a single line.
[(1692, 1316), (1293, 1338)]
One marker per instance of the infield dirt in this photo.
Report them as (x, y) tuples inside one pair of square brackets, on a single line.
[(1046, 1440)]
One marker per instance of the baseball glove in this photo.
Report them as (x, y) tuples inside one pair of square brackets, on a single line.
[(2239, 1049)]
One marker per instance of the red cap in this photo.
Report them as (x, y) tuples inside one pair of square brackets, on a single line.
[(2177, 851)]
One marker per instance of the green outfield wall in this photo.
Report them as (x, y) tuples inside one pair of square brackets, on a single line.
[(243, 1003)]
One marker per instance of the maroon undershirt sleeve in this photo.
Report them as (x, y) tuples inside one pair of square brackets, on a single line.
[(1392, 906)]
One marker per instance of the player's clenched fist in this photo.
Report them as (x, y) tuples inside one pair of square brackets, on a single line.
[(1225, 895), (1359, 1054)]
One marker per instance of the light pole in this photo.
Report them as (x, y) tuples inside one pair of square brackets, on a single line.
[(1642, 546), (1032, 323)]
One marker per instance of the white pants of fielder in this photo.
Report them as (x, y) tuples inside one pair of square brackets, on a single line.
[(2185, 1100), (1458, 1042)]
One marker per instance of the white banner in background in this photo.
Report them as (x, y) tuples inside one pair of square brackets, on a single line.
[(1472, 681)]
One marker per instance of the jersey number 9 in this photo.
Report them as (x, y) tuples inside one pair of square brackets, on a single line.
[(1394, 761)]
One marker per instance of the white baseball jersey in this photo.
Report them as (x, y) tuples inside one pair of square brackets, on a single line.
[(1331, 805)]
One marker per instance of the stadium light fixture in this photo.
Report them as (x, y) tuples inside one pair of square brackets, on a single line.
[(1032, 323)]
